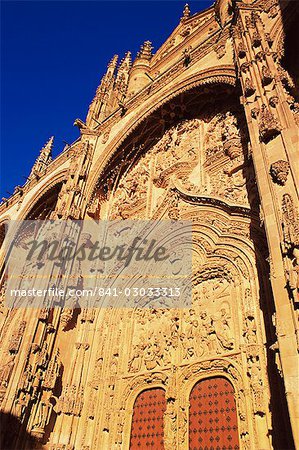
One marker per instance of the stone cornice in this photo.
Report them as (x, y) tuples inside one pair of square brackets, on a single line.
[(230, 208)]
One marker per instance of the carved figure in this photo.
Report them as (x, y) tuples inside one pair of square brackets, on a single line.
[(222, 330), (279, 171)]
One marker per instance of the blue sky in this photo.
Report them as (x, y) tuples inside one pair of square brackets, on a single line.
[(53, 55)]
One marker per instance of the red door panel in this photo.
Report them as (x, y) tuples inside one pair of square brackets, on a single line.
[(147, 422), (212, 416)]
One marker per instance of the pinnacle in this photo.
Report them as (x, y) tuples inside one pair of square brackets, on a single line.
[(128, 56), (50, 141), (49, 144), (113, 61), (43, 159), (146, 50), (186, 12), (127, 59)]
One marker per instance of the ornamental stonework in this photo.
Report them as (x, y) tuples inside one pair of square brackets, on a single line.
[(204, 130)]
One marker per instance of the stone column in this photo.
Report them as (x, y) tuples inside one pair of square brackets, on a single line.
[(274, 142)]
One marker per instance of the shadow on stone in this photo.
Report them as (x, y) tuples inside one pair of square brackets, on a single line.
[(13, 435)]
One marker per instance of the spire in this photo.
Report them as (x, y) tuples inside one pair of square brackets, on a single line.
[(124, 68), (98, 108), (113, 63), (186, 13), (46, 151), (108, 77), (126, 62), (145, 51), (43, 159), (122, 77)]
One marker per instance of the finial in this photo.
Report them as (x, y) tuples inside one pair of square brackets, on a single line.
[(48, 147), (186, 13), (113, 62), (43, 159), (126, 60), (145, 50)]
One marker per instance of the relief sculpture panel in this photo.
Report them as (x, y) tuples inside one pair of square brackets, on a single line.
[(207, 155), (165, 337), (187, 133)]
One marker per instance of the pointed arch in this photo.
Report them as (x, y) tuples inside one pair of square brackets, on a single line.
[(220, 78)]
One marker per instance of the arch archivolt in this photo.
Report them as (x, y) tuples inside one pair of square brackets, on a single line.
[(229, 247), (43, 189), (179, 158), (5, 219), (221, 77), (25, 210)]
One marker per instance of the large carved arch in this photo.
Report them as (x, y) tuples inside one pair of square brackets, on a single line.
[(224, 77), (174, 118), (51, 185), (207, 178)]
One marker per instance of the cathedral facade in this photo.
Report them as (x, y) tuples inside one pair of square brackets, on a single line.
[(206, 130)]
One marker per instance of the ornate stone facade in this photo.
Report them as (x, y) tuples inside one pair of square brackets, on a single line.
[(205, 129)]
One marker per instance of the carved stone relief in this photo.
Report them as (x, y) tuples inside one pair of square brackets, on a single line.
[(195, 154), (205, 156), (279, 171), (165, 337)]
